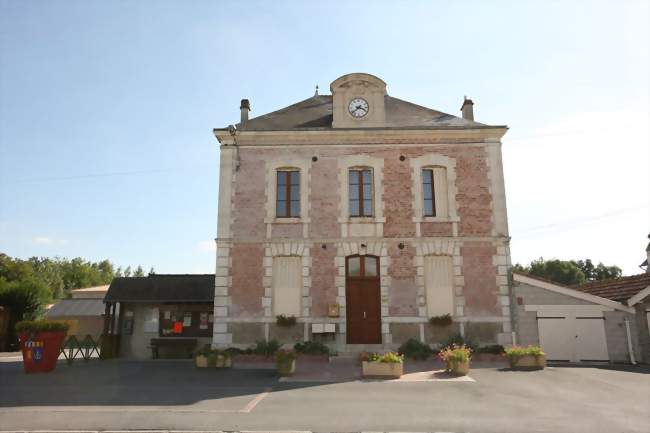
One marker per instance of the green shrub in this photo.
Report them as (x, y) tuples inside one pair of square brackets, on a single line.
[(282, 356), (33, 326), (311, 348), (518, 351), (496, 349), (285, 321), (458, 340), (388, 357), (444, 320), (266, 348), (415, 349), (455, 353)]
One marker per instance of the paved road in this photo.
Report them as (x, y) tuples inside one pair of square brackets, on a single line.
[(173, 395)]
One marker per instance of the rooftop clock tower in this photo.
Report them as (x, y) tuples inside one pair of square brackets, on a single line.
[(358, 101)]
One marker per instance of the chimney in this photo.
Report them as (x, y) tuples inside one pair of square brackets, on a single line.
[(467, 109), (245, 107)]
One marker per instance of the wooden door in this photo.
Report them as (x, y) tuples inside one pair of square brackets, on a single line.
[(362, 300)]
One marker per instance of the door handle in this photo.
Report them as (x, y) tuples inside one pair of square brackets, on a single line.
[(364, 314)]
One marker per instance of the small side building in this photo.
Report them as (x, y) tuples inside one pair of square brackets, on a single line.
[(159, 307), (82, 312), (575, 324)]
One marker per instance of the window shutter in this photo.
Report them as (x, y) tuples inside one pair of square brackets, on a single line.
[(287, 286), (439, 284), (440, 191)]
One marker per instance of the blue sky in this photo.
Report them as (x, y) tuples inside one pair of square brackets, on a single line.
[(107, 110)]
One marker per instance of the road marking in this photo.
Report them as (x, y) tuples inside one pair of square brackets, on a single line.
[(254, 402)]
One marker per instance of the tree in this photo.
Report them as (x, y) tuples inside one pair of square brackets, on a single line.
[(569, 272), (139, 272), (599, 272), (26, 299)]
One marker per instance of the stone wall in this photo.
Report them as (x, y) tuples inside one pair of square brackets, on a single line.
[(467, 234)]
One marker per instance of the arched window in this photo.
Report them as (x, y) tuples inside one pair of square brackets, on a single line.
[(287, 203), (360, 192), (434, 192), (362, 267)]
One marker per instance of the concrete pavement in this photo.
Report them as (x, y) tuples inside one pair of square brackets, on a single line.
[(172, 395)]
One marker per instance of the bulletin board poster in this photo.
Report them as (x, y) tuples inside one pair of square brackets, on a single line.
[(203, 321), (187, 320)]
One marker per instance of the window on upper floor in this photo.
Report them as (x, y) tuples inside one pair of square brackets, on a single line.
[(434, 192), (287, 203), (360, 189)]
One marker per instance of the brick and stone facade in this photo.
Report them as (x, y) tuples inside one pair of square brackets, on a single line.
[(319, 138)]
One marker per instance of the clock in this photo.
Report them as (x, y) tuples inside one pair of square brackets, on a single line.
[(358, 107)]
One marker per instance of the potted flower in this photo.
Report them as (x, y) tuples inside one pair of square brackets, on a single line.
[(389, 364), (40, 343), (457, 359), (285, 321), (285, 362), (526, 358), (201, 357), (443, 320)]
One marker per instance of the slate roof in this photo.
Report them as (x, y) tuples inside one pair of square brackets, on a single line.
[(76, 307), (162, 288), (316, 113), (618, 289)]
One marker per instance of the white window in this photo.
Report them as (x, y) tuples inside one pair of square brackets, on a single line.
[(287, 286), (434, 192), (438, 281), (434, 188)]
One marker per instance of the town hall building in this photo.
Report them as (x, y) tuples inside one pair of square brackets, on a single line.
[(362, 216)]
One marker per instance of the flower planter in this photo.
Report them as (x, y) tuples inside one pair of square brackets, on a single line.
[(286, 367), (201, 361), (527, 362), (382, 369), (458, 368), (40, 350)]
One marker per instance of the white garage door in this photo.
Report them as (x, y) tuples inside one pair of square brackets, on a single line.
[(573, 338)]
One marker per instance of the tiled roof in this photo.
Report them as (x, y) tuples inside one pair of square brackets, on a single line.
[(162, 288), (316, 113), (618, 289), (76, 308)]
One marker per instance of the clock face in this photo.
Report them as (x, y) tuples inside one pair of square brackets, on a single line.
[(358, 107)]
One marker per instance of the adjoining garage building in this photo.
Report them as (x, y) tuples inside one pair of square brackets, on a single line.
[(574, 325)]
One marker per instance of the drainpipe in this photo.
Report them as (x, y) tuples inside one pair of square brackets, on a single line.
[(629, 341), (514, 338)]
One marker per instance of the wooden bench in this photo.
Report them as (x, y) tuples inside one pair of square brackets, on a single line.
[(188, 344)]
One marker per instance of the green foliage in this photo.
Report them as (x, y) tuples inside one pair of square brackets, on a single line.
[(455, 353), (311, 348), (34, 326), (415, 349), (569, 272), (458, 340), (266, 348), (599, 272), (518, 351), (285, 321), (559, 271), (444, 320), (285, 356), (388, 357), (496, 349)]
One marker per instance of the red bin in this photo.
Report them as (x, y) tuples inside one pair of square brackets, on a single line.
[(41, 350)]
